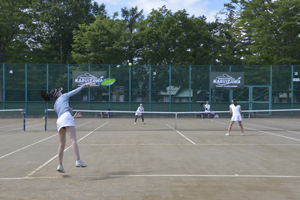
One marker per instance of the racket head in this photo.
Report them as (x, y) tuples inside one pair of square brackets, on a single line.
[(108, 81)]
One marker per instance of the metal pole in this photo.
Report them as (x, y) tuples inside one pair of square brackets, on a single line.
[(26, 104), (68, 77), (231, 91), (24, 117), (190, 88), (47, 82), (3, 96), (271, 88), (170, 98), (45, 119), (209, 98), (150, 87), (129, 88), (292, 88), (89, 92), (176, 121), (109, 88)]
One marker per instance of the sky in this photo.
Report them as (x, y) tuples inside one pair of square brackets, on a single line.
[(208, 8)]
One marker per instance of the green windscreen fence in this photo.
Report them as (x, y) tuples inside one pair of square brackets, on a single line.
[(168, 88)]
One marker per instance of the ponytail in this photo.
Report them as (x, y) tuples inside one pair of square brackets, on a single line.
[(45, 96), (234, 102)]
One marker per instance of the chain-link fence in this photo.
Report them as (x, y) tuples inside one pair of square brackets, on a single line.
[(159, 87)]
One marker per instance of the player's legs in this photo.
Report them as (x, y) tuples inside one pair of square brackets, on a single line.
[(72, 133), (241, 126), (230, 125), (62, 144), (142, 118), (136, 118)]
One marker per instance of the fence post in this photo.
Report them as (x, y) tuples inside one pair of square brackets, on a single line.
[(26, 87), (190, 88), (3, 96), (150, 71), (129, 87), (170, 89), (209, 98), (109, 87)]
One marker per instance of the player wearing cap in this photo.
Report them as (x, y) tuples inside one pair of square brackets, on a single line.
[(139, 113)]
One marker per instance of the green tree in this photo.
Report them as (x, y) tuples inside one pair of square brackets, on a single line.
[(272, 28), (100, 42), (15, 21), (56, 22)]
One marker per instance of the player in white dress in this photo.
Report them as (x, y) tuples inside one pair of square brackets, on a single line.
[(139, 113), (207, 111), (236, 116)]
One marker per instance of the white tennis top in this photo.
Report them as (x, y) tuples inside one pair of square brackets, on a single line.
[(235, 109), (139, 111), (207, 107), (62, 103)]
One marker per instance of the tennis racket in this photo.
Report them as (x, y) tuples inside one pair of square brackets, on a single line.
[(106, 82)]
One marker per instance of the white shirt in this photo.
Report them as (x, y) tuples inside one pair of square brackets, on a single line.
[(235, 109), (207, 107), (139, 111)]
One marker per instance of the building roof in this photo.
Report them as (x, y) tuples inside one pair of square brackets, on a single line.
[(173, 91), (186, 93)]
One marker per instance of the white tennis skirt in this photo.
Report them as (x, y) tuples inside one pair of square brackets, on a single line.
[(236, 118), (64, 120)]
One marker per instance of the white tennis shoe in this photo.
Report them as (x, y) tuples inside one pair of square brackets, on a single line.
[(144, 123), (227, 134), (242, 134), (60, 169), (134, 122), (80, 163)]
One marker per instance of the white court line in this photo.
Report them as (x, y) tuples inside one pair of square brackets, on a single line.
[(159, 175), (22, 127), (17, 124), (26, 146), (40, 167), (190, 144), (181, 134), (297, 124), (33, 144), (268, 132), (279, 129)]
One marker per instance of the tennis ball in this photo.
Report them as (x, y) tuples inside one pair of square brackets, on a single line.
[(130, 64)]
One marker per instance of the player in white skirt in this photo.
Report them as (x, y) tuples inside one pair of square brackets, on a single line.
[(65, 122), (139, 113), (236, 111)]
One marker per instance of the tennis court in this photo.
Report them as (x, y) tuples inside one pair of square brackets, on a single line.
[(153, 161)]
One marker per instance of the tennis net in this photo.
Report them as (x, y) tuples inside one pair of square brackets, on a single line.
[(8, 118), (193, 121)]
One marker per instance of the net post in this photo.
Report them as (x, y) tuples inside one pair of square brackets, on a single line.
[(175, 120), (24, 116), (45, 119)]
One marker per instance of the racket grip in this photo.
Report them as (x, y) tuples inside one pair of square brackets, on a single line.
[(93, 83)]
